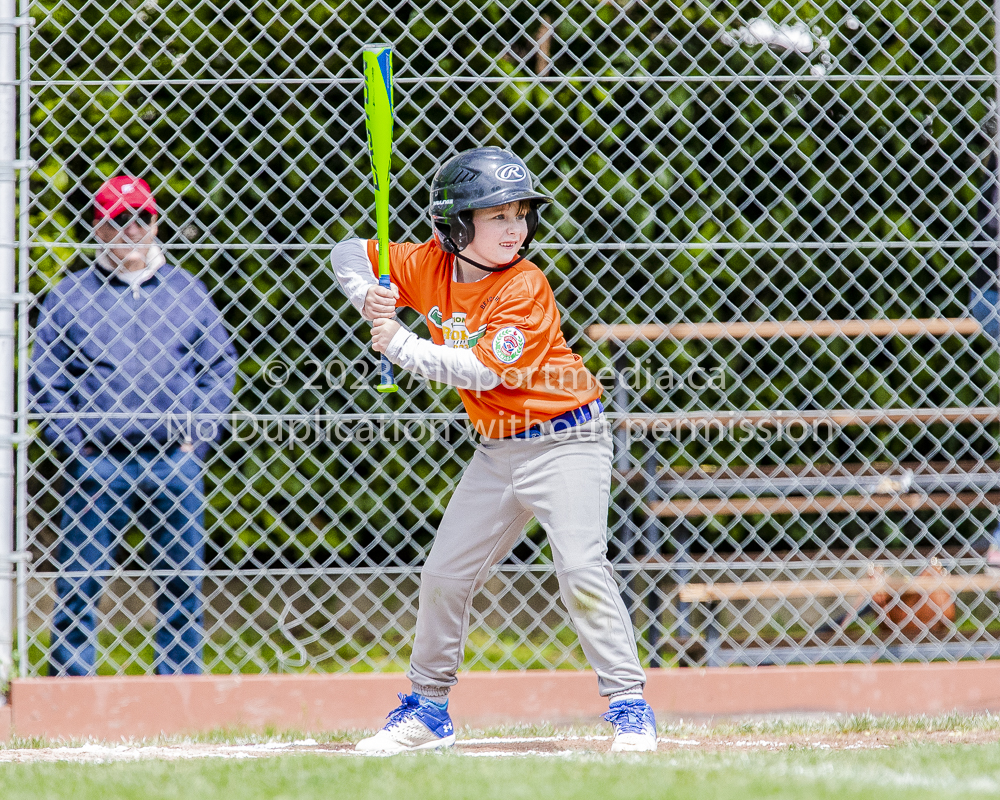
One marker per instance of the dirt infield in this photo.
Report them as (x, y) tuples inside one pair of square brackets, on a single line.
[(709, 740)]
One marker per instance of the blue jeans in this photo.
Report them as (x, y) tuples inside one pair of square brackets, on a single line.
[(985, 308), (163, 494)]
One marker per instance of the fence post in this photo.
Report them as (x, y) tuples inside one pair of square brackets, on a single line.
[(8, 120)]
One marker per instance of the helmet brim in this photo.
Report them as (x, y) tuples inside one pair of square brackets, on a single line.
[(505, 196)]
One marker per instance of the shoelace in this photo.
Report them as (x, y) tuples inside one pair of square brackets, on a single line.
[(409, 705), (627, 719)]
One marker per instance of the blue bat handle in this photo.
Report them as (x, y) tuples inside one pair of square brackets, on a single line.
[(387, 381)]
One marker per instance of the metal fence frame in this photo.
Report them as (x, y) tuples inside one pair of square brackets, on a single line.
[(517, 617)]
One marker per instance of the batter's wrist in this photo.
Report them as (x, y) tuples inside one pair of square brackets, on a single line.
[(397, 343)]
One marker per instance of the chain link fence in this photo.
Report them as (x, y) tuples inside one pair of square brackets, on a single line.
[(766, 233)]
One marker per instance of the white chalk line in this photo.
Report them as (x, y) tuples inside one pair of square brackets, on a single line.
[(102, 753), (489, 748), (533, 739)]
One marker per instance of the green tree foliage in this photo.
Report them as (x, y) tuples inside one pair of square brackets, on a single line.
[(764, 188)]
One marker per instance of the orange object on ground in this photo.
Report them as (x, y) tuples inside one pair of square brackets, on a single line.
[(916, 612)]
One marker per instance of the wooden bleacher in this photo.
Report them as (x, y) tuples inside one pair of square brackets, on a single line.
[(694, 498), (838, 587), (622, 334), (810, 490), (793, 329)]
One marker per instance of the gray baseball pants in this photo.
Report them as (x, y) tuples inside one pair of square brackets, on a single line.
[(564, 480)]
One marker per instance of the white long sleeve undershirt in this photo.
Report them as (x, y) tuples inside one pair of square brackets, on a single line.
[(436, 362), (353, 271)]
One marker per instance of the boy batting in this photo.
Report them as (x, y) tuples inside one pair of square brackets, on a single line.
[(544, 449)]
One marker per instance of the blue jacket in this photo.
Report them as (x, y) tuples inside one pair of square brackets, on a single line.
[(111, 365)]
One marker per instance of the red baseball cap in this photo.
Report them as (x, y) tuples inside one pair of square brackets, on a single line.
[(122, 193)]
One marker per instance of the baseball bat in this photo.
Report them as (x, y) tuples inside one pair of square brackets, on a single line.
[(378, 122)]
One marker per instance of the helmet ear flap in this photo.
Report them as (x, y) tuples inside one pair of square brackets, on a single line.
[(443, 234), (455, 236), (532, 219), (463, 230)]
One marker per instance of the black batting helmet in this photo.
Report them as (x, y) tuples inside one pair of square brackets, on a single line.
[(479, 178)]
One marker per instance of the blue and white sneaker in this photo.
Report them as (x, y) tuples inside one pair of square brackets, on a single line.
[(417, 724), (635, 726)]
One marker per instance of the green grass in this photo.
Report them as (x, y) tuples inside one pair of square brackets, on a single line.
[(929, 771), (771, 726), (129, 651), (717, 770)]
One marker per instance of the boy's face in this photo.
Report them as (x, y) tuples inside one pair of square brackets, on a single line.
[(500, 232)]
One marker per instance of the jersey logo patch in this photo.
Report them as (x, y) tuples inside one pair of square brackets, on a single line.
[(508, 344), (453, 329)]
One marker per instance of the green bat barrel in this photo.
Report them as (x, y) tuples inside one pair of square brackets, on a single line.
[(378, 122)]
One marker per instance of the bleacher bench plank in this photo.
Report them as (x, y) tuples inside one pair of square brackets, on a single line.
[(677, 480), (838, 587), (841, 417), (966, 466), (735, 507), (794, 329)]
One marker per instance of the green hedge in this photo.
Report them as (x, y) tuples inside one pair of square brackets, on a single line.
[(639, 157)]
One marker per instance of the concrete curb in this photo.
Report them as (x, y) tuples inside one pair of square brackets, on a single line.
[(112, 708)]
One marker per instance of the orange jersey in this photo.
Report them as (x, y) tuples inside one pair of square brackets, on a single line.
[(510, 321)]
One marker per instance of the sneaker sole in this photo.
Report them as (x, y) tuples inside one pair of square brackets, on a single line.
[(633, 747), (447, 741)]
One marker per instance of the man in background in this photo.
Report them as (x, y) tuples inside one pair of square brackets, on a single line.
[(133, 372)]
